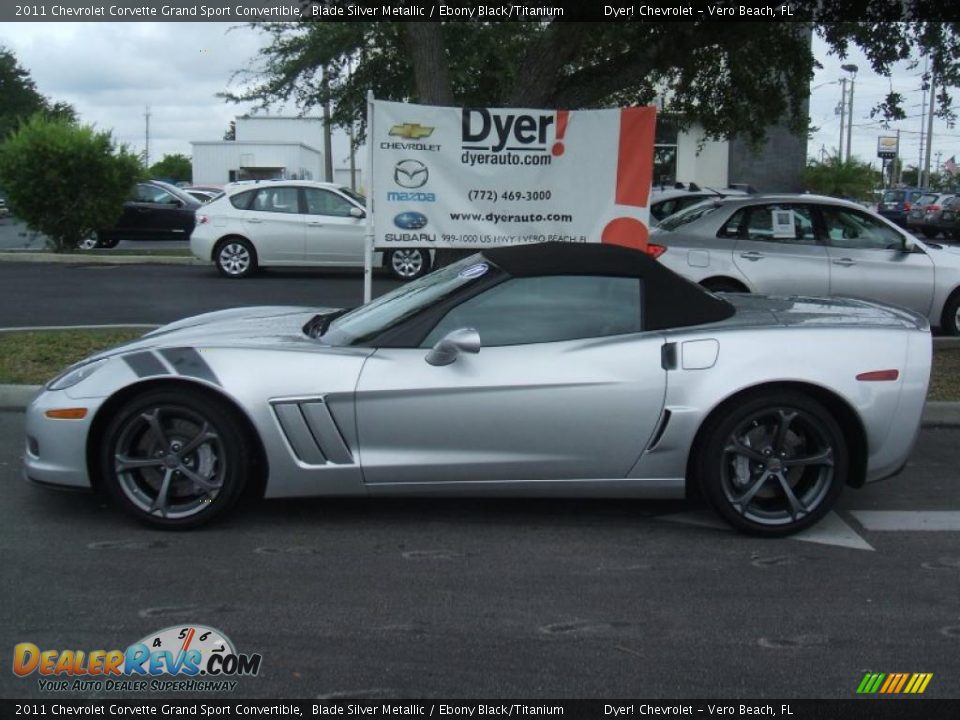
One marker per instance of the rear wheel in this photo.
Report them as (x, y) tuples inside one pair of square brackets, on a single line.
[(929, 233), (90, 242), (774, 465), (235, 258), (173, 459), (408, 264)]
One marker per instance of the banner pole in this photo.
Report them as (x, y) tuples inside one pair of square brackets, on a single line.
[(368, 238)]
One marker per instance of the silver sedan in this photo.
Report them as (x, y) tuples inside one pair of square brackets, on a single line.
[(549, 370), (810, 245)]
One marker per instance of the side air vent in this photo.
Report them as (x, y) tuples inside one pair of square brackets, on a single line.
[(661, 428), (312, 433)]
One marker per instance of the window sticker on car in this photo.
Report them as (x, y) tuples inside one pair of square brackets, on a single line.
[(474, 271), (783, 226)]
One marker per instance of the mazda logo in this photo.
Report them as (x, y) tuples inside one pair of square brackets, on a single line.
[(410, 174)]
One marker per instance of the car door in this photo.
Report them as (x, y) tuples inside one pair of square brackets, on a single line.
[(778, 250), (867, 261), (565, 387), (275, 225), (333, 235)]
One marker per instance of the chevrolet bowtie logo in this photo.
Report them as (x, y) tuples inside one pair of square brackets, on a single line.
[(411, 131)]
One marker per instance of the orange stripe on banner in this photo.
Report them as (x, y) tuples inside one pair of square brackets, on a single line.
[(903, 681), (635, 161), (890, 678)]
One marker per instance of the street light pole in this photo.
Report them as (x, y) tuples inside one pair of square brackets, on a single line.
[(843, 115), (852, 69)]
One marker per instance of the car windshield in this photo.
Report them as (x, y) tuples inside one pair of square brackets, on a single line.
[(688, 215), (368, 321), (176, 192), (927, 199), (893, 196)]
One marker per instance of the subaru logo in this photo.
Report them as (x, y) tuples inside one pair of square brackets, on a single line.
[(410, 220), (410, 174)]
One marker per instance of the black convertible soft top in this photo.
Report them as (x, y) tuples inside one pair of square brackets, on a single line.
[(669, 300)]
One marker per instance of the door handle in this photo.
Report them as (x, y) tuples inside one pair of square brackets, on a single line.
[(254, 220), (752, 255), (846, 262), (315, 224)]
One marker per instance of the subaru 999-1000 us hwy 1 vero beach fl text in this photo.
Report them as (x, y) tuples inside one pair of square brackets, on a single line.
[(574, 370)]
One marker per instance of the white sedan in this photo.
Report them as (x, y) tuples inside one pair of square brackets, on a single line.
[(291, 223)]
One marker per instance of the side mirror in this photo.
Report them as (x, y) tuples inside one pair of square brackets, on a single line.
[(357, 212), (908, 244), (452, 344)]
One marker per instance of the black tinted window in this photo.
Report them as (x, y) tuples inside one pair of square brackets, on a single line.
[(855, 230), (277, 200), (547, 309), (783, 223)]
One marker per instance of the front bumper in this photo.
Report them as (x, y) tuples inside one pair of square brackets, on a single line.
[(55, 451)]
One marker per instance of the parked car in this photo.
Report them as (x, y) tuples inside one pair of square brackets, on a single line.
[(155, 211), (923, 215), (4, 210), (279, 223), (897, 202), (546, 370), (203, 196), (947, 221), (667, 201), (811, 245)]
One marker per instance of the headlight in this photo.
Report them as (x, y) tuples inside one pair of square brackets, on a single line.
[(75, 374)]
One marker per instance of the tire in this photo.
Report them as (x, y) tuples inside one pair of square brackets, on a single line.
[(950, 320), (108, 241), (723, 285), (235, 258), (929, 233), (174, 459), (774, 464), (408, 264)]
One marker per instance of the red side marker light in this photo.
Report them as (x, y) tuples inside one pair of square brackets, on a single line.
[(879, 375)]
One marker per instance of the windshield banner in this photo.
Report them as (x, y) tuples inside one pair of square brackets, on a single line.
[(475, 177)]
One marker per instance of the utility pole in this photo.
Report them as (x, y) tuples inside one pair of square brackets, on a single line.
[(327, 132), (938, 166), (899, 166), (843, 115), (146, 152), (933, 100)]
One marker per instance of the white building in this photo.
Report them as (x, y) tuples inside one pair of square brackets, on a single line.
[(275, 146)]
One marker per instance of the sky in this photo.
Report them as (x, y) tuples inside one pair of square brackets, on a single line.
[(111, 72)]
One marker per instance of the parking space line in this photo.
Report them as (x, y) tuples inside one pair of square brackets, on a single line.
[(909, 520)]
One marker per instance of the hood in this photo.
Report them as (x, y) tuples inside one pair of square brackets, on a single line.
[(238, 327)]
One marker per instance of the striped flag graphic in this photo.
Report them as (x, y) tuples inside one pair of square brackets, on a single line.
[(894, 683)]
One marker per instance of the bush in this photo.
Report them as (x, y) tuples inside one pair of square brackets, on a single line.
[(843, 179), (65, 180)]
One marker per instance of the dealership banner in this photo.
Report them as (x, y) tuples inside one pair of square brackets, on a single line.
[(476, 177)]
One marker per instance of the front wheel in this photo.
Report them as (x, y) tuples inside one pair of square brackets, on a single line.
[(773, 465), (173, 459), (930, 233), (235, 258), (408, 264), (90, 242), (950, 321)]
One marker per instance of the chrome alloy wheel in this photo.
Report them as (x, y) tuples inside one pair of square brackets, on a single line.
[(169, 462), (234, 258), (407, 264), (777, 466)]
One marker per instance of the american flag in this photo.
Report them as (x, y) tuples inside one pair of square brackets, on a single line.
[(951, 165)]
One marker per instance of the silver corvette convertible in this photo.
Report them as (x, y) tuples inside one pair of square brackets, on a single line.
[(546, 370)]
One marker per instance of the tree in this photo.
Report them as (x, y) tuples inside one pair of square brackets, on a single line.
[(842, 178), (65, 180), (231, 132), (20, 96), (733, 78), (174, 168)]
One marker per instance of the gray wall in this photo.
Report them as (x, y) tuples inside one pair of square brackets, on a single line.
[(776, 166)]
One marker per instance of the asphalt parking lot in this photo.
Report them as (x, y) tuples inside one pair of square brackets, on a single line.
[(501, 599)]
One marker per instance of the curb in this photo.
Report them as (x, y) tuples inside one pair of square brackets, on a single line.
[(82, 259), (936, 414)]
